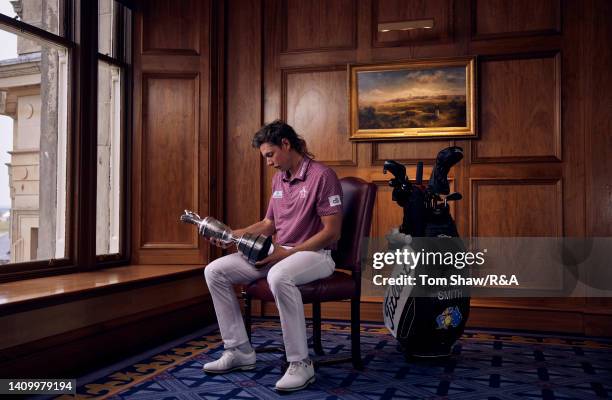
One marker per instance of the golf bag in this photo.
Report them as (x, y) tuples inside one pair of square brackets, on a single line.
[(426, 319)]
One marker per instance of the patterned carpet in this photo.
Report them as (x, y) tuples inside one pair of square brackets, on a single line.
[(484, 365)]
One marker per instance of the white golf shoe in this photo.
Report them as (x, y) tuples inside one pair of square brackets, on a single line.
[(231, 360), (299, 375)]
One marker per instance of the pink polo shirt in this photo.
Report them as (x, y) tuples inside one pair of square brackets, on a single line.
[(298, 203)]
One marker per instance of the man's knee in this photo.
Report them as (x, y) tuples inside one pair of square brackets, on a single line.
[(278, 280), (213, 271)]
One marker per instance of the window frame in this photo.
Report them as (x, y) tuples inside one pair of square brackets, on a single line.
[(80, 38), (122, 60)]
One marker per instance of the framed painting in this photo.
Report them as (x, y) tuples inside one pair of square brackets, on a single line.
[(424, 99)]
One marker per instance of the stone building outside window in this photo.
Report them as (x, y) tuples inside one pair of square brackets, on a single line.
[(34, 91)]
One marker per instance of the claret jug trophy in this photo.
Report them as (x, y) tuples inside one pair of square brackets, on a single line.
[(253, 247)]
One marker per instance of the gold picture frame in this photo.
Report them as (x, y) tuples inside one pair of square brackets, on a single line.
[(422, 99)]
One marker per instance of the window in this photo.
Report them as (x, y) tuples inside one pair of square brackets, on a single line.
[(48, 155), (113, 60), (33, 137), (47, 15)]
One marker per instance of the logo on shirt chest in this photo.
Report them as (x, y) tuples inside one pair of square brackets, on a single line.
[(303, 193), (278, 194)]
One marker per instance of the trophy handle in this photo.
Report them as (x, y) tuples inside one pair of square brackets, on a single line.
[(189, 217)]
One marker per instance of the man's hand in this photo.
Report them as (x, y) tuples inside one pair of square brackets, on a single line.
[(239, 232), (220, 243), (278, 254)]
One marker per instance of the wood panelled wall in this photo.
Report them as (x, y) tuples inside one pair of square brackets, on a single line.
[(544, 95), (209, 73), (174, 157)]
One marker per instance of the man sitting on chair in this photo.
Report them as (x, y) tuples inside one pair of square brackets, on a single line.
[(305, 214)]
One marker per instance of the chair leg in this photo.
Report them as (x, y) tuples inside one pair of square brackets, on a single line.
[(247, 314), (356, 334), (316, 329)]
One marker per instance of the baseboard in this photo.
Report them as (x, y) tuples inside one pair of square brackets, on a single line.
[(483, 315)]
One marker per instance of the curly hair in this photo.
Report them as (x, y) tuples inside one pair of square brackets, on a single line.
[(275, 132)]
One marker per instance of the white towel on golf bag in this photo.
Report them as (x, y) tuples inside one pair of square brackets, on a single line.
[(397, 296)]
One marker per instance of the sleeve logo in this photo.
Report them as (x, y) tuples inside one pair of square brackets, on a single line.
[(334, 200)]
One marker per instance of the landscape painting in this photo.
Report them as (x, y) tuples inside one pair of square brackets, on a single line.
[(412, 100)]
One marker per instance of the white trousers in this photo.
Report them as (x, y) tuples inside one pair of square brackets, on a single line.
[(283, 278)]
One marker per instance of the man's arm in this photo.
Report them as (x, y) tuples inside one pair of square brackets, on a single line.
[(332, 227), (263, 227)]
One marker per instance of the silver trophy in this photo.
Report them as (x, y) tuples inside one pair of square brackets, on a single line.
[(253, 247)]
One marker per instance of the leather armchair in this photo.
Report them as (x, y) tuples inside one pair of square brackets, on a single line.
[(345, 282)]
